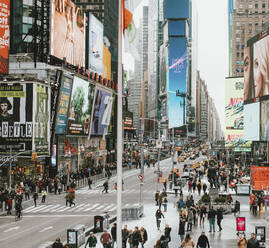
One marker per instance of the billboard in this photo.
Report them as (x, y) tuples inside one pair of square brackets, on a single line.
[(234, 138), (67, 32), (259, 177), (106, 63), (63, 104), (177, 28), (252, 121), (41, 105), (265, 120), (96, 33), (4, 35), (16, 117), (234, 104), (163, 68), (101, 115), (177, 80), (80, 109), (240, 224), (175, 9)]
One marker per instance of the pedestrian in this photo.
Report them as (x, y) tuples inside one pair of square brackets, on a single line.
[(57, 243), (236, 207), (113, 232), (189, 220), (105, 185), (199, 187), (90, 183), (219, 218), (125, 235), (165, 201), (187, 242), (144, 236), (158, 216), (189, 185), (136, 238), (181, 230), (203, 241), (211, 218), (204, 187), (157, 194), (106, 239), (91, 241), (27, 192), (35, 196), (43, 194), (9, 205), (242, 242), (130, 238), (167, 234), (253, 242)]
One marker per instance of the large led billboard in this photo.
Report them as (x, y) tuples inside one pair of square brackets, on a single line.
[(234, 138), (4, 35), (177, 80), (163, 68), (80, 110), (16, 117), (68, 32), (96, 33), (176, 9), (252, 121), (265, 120), (101, 114)]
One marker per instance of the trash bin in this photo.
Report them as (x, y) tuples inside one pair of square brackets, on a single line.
[(98, 223), (76, 236)]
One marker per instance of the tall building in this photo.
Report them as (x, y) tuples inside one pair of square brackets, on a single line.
[(246, 18)]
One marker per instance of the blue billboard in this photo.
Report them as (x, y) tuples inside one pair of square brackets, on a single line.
[(177, 28), (176, 9), (63, 104), (177, 80)]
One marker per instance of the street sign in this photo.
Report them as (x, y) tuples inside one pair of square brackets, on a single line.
[(241, 224)]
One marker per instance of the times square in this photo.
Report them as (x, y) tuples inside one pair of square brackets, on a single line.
[(111, 137)]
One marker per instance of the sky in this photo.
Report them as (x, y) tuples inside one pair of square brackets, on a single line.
[(212, 48)]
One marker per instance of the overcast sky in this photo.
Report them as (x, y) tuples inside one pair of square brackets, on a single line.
[(212, 48)]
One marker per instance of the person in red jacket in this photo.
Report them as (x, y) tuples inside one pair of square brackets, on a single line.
[(106, 239)]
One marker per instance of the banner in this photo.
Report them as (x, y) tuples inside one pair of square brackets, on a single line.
[(106, 63), (80, 110), (63, 104), (96, 35), (101, 116), (4, 35), (163, 68), (68, 34), (41, 104), (16, 117), (240, 224), (259, 177)]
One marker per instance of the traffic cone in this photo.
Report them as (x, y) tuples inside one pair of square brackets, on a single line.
[(261, 208)]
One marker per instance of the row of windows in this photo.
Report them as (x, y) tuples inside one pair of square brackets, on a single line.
[(239, 69)]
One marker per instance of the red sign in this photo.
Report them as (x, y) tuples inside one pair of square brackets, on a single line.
[(4, 35), (241, 224)]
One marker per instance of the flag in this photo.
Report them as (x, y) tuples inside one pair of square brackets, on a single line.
[(129, 28)]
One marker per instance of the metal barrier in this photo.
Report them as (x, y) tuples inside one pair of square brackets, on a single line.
[(132, 213)]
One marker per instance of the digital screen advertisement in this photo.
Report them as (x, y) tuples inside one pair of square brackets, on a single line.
[(80, 109), (252, 121), (68, 32), (177, 80), (96, 33), (103, 103), (175, 9)]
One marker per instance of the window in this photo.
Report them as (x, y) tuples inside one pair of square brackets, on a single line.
[(242, 46), (238, 24), (237, 62), (237, 70), (237, 55), (242, 62), (242, 69), (238, 47), (263, 5), (256, 6), (242, 55), (237, 39), (238, 31)]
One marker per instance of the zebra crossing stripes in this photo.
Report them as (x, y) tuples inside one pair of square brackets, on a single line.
[(111, 191)]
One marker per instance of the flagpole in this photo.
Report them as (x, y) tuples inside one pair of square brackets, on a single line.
[(119, 131)]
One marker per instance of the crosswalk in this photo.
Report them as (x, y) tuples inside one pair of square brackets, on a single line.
[(86, 191), (79, 208)]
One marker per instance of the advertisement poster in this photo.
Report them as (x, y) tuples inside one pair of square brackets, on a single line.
[(4, 35), (102, 109), (240, 224), (177, 80), (63, 104), (234, 103), (41, 119), (96, 33), (163, 68), (174, 9), (68, 34), (252, 121), (259, 177), (80, 110), (106, 63), (265, 121), (54, 156), (16, 117)]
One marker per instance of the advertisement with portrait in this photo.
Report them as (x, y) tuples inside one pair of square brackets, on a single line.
[(106, 63), (68, 32), (101, 115), (177, 80), (4, 35), (163, 68), (252, 121), (234, 103), (63, 104), (41, 105), (96, 33), (80, 109), (16, 117)]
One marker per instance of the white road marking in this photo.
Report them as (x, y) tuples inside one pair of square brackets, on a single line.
[(51, 208), (93, 206), (109, 206), (35, 208), (57, 209), (80, 209), (12, 229), (75, 208), (62, 210), (46, 228), (41, 209)]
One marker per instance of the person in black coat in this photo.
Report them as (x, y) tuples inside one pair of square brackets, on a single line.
[(114, 234), (136, 237), (144, 236), (203, 241), (181, 230), (167, 233), (158, 216), (57, 243), (219, 218)]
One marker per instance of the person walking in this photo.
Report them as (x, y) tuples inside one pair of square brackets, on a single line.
[(158, 216), (157, 194), (219, 218), (165, 201), (9, 205), (125, 235), (105, 185), (27, 192), (130, 238), (136, 238), (204, 187), (253, 242), (188, 242), (106, 239), (57, 243), (144, 236), (211, 218), (202, 215), (189, 220), (167, 234), (35, 196), (199, 187), (43, 194), (181, 229), (113, 232), (90, 183), (91, 241), (242, 242), (203, 241)]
